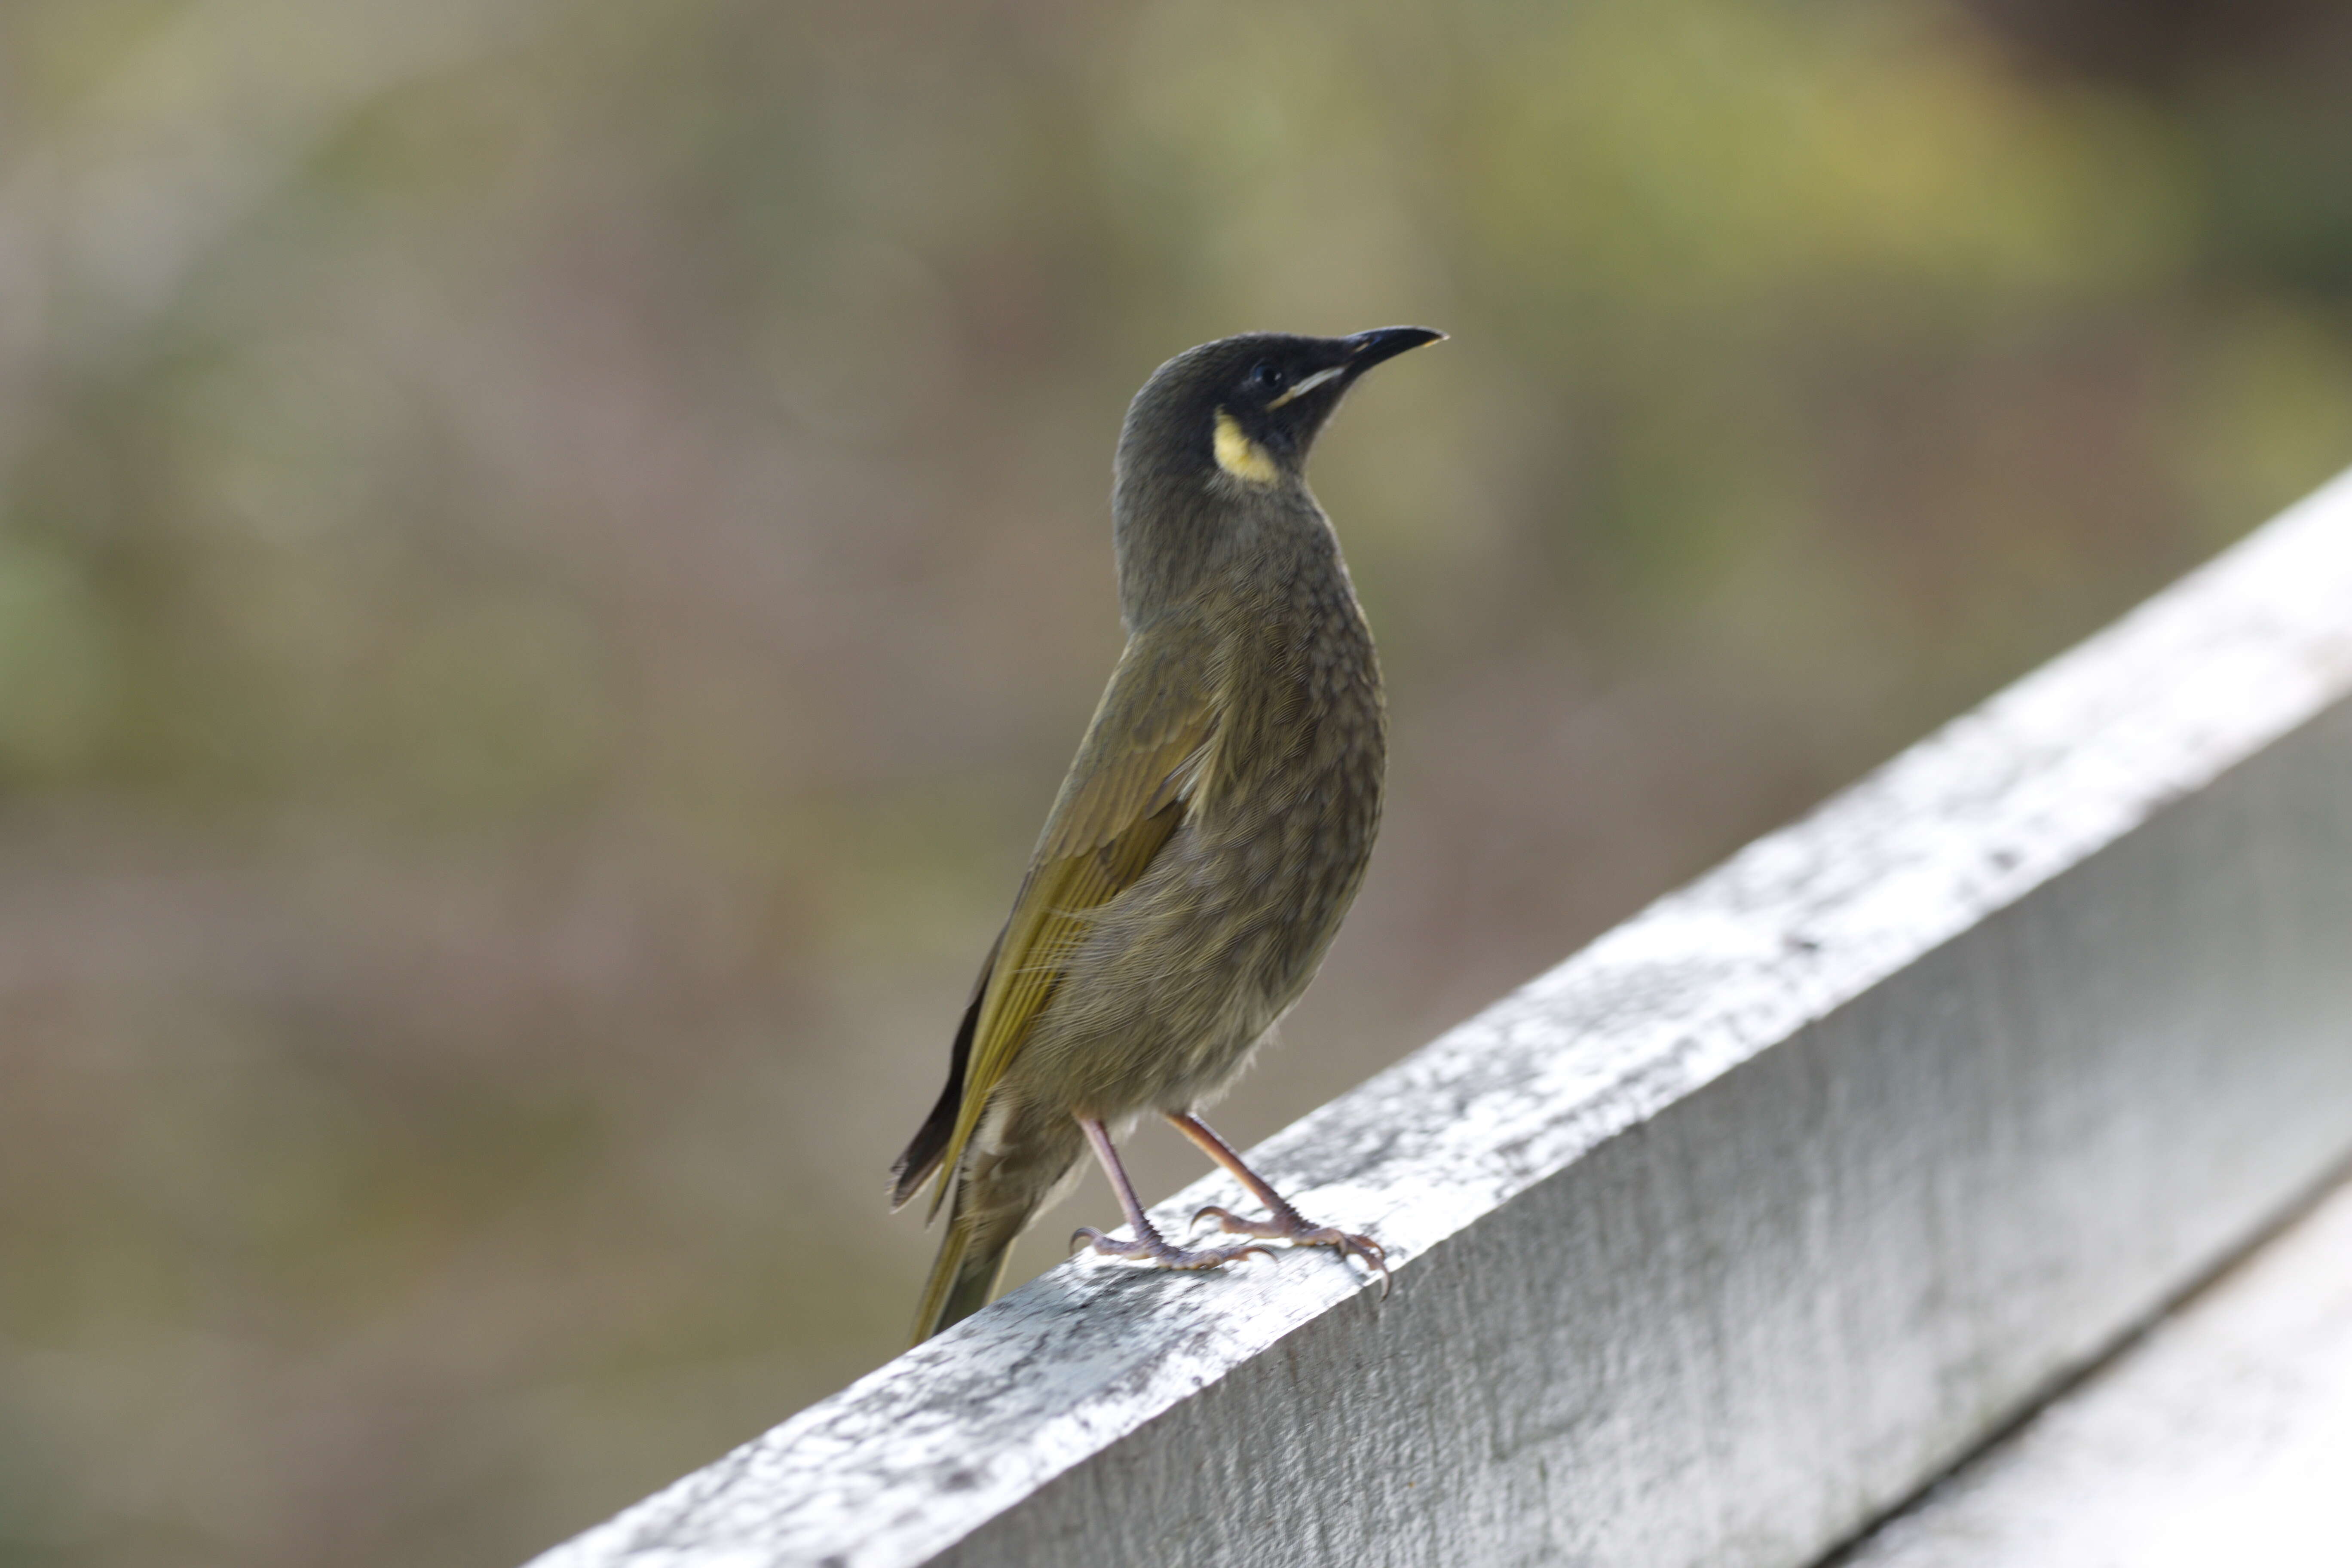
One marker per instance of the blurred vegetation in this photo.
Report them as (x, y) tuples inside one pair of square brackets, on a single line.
[(553, 555)]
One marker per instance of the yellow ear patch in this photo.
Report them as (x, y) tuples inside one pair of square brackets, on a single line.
[(1241, 457)]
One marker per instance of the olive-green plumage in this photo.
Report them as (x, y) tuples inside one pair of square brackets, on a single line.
[(1212, 830)]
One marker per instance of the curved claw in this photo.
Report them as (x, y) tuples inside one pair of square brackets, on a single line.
[(1298, 1232), (1152, 1250)]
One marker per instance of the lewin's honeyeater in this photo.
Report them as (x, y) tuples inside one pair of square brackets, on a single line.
[(1208, 839)]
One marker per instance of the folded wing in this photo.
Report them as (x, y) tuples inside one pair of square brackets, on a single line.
[(1146, 758)]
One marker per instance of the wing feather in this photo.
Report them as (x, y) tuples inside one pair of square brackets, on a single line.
[(1145, 758)]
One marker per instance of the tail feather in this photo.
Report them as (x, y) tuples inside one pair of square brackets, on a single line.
[(989, 1202), (930, 1140), (967, 1271)]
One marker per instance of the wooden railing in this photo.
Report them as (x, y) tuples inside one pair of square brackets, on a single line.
[(1728, 1235)]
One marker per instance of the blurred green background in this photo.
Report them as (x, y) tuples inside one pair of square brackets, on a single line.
[(552, 557)]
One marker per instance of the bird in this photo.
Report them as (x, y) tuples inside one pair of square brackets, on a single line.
[(1208, 838)]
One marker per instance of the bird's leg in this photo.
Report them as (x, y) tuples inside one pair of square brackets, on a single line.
[(1148, 1246), (1287, 1224)]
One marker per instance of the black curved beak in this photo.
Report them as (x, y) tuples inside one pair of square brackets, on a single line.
[(1356, 355), (1369, 348)]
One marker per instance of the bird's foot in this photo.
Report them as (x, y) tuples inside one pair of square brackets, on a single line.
[(1152, 1249), (1288, 1224)]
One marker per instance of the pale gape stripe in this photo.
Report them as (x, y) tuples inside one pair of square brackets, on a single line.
[(1309, 385)]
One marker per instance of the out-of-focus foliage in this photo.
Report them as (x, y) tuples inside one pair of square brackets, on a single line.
[(553, 555)]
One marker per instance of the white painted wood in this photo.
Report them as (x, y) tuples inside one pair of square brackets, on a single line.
[(2224, 1437), (1725, 1236)]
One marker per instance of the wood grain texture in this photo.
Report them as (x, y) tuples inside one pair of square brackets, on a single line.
[(2225, 1436), (1724, 1236)]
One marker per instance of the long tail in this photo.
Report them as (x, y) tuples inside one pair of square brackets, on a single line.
[(969, 1265)]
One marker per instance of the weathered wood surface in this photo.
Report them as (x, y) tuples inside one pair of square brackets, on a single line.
[(1721, 1238), (2224, 1437)]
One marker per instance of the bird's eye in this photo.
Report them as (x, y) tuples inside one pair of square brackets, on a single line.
[(1266, 377)]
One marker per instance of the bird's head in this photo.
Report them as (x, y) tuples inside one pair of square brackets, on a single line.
[(1243, 412)]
